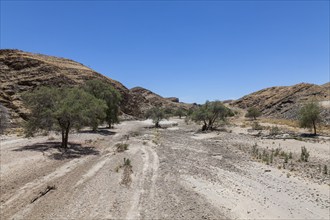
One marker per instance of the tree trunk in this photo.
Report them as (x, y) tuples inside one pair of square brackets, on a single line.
[(65, 135), (157, 125), (63, 138), (314, 126)]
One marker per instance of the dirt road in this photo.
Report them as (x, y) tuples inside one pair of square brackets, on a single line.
[(175, 174)]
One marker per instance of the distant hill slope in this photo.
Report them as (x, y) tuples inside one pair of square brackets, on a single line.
[(23, 71), (148, 99), (285, 101)]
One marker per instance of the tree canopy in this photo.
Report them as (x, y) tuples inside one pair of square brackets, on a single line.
[(62, 109), (156, 114), (109, 94), (210, 113), (253, 113), (309, 116)]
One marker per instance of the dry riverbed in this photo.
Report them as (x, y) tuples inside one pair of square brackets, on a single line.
[(169, 173)]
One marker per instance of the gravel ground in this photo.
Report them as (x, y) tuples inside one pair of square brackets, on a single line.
[(175, 173)]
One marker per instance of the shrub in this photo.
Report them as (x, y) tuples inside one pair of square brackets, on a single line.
[(304, 155), (256, 126), (274, 130), (253, 113), (121, 147)]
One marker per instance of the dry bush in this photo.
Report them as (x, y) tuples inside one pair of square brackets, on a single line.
[(121, 147)]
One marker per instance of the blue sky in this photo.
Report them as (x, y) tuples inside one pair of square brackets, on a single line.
[(194, 50)]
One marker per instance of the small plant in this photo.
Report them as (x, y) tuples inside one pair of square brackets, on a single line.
[(256, 126), (51, 138), (255, 150), (127, 162), (121, 147), (286, 158), (288, 175), (274, 131), (277, 151), (144, 143), (304, 155), (290, 155), (271, 156), (283, 154)]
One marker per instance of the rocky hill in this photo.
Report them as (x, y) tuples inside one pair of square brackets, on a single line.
[(23, 71), (285, 101), (147, 99)]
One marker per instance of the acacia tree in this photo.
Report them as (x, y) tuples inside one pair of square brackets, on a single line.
[(4, 118), (253, 113), (210, 113), (156, 114), (110, 95), (180, 112), (309, 116), (62, 109)]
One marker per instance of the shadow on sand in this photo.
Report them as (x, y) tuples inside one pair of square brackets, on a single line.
[(100, 131), (57, 153)]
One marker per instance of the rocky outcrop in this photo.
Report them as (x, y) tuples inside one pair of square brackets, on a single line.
[(173, 99), (285, 101), (146, 99)]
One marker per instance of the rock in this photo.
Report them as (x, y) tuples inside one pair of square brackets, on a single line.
[(173, 99)]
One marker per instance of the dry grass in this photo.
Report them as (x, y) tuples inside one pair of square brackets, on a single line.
[(290, 123)]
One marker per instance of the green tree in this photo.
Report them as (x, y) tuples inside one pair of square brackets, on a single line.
[(253, 113), (62, 109), (180, 112), (4, 119), (210, 113), (156, 114), (109, 94), (309, 116)]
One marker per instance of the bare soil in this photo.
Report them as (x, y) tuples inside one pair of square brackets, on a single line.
[(174, 173)]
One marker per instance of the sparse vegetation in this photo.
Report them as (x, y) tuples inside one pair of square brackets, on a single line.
[(127, 179), (256, 126), (304, 155), (253, 113), (121, 147), (211, 114), (62, 109), (274, 130), (309, 116)]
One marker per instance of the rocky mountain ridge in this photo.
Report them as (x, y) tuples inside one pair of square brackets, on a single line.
[(22, 71)]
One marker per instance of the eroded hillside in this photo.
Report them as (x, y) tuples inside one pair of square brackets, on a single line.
[(23, 71), (285, 101)]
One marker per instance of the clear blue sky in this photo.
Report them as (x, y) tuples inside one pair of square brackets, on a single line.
[(194, 50)]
